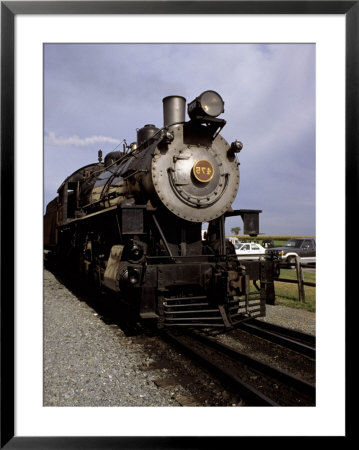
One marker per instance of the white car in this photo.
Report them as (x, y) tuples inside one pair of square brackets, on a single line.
[(250, 250)]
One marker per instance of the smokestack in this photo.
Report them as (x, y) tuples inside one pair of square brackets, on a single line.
[(174, 110)]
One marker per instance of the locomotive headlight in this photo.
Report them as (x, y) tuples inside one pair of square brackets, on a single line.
[(133, 276), (209, 103)]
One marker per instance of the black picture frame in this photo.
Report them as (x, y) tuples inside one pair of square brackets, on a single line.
[(9, 9)]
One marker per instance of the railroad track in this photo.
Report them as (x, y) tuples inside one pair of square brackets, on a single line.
[(294, 340), (259, 384)]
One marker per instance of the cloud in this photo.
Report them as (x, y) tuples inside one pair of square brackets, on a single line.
[(75, 141)]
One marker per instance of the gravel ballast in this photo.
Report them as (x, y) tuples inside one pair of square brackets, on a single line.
[(296, 319), (87, 362), (90, 362)]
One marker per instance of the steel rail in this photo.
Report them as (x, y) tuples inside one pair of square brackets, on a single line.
[(306, 338), (300, 385), (249, 393), (275, 337)]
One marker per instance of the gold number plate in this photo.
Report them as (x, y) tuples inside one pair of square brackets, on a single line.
[(203, 170)]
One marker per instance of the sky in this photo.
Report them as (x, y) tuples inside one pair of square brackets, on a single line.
[(96, 95)]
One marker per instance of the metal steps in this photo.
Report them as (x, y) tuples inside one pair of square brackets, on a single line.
[(199, 310)]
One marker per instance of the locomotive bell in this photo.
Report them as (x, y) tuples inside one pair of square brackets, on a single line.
[(145, 133)]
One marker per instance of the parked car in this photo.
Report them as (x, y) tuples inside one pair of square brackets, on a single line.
[(250, 250), (304, 248)]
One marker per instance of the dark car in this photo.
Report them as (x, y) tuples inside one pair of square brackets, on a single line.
[(305, 248)]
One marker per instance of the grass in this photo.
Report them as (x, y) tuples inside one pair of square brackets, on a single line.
[(278, 243), (287, 293)]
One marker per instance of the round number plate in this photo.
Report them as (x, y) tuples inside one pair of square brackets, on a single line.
[(203, 170)]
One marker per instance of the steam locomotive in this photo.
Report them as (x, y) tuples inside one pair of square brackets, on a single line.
[(132, 223)]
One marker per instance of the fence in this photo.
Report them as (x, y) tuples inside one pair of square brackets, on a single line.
[(301, 283)]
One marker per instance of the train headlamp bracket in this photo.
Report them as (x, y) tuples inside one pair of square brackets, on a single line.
[(250, 219)]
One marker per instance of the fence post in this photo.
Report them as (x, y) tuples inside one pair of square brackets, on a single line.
[(299, 269)]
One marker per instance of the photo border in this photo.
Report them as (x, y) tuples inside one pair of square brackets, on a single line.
[(9, 9)]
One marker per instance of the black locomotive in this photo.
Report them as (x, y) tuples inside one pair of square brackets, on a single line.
[(132, 223)]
